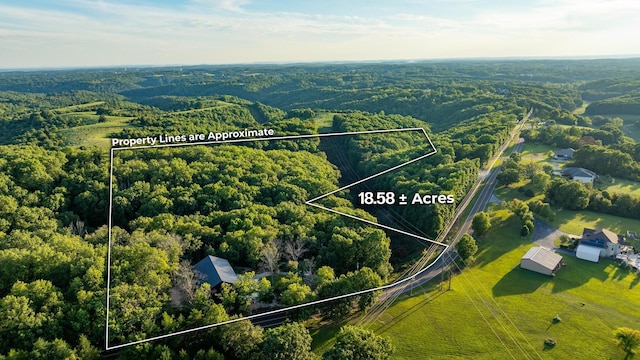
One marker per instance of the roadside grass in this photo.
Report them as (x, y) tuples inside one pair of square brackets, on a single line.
[(497, 310), (323, 335), (95, 134)]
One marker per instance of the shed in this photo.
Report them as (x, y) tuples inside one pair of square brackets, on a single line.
[(586, 252), (215, 270), (564, 154), (541, 260)]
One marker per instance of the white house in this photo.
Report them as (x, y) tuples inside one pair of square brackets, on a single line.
[(579, 174), (597, 243)]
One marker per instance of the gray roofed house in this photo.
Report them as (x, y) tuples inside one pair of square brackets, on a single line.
[(578, 173), (541, 260), (215, 270), (606, 241), (564, 154)]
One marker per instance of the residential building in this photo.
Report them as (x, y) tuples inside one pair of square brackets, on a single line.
[(597, 243), (215, 270), (579, 174)]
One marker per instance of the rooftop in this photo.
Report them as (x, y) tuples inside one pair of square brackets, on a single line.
[(601, 233), (216, 270), (543, 256), (577, 171)]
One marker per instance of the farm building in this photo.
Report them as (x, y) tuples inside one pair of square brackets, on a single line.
[(215, 270), (541, 260)]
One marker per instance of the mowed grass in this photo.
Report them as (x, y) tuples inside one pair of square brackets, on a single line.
[(535, 151), (496, 310), (573, 222), (619, 186), (96, 134)]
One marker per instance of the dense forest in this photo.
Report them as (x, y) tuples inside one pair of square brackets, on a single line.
[(245, 202)]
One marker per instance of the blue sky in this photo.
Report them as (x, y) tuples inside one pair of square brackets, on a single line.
[(67, 33)]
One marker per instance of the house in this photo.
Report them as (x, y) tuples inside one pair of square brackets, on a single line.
[(597, 243), (564, 154), (541, 260), (215, 270), (579, 174)]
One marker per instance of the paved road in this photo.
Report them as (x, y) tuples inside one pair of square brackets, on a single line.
[(485, 196)]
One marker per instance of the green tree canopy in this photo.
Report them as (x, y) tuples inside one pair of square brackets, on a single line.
[(355, 343)]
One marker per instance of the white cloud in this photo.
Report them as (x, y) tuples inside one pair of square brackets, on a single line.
[(229, 5), (223, 31)]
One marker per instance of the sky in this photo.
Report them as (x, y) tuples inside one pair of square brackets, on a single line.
[(91, 33)]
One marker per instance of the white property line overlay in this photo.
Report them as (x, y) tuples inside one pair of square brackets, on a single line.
[(309, 202)]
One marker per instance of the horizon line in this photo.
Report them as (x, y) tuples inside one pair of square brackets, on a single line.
[(323, 62)]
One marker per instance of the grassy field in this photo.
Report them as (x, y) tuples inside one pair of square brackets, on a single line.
[(631, 126), (95, 134), (216, 104), (324, 120), (539, 152), (620, 186), (573, 222), (76, 108), (582, 108), (496, 310)]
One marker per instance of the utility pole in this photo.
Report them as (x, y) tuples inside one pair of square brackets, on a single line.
[(413, 280), (442, 275)]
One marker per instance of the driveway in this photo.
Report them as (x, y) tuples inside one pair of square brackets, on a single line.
[(545, 234)]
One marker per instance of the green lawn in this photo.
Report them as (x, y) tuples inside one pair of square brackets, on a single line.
[(538, 152), (497, 310), (619, 186), (574, 221), (96, 134)]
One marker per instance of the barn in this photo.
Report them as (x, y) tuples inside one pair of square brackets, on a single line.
[(541, 260)]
